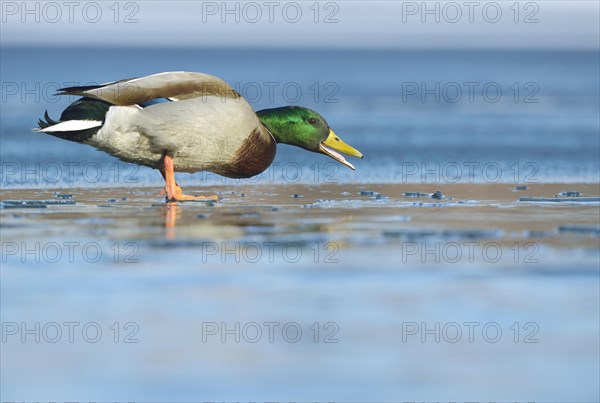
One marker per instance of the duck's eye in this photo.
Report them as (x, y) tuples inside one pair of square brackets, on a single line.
[(312, 121)]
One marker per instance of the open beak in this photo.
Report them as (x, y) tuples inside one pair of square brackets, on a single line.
[(336, 143)]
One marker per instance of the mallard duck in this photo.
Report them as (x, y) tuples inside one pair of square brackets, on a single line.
[(202, 125)]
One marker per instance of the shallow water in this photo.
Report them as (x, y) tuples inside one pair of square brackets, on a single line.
[(312, 281), (336, 293)]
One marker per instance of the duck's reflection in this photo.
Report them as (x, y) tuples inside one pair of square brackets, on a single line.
[(241, 222), (171, 212)]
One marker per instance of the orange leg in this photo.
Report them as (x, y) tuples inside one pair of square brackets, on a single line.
[(164, 191), (174, 192)]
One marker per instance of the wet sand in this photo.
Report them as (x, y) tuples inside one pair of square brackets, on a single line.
[(558, 214), (366, 263)]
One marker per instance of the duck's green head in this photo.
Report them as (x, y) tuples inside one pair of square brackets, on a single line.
[(305, 128)]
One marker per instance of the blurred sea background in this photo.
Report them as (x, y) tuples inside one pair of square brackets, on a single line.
[(521, 116)]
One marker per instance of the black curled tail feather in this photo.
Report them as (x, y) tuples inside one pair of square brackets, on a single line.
[(42, 124)]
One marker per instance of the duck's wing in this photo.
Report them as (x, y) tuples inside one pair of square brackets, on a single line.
[(174, 86)]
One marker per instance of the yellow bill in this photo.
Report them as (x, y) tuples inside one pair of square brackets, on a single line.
[(333, 141)]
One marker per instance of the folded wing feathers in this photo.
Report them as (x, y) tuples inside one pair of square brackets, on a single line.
[(171, 85), (80, 90)]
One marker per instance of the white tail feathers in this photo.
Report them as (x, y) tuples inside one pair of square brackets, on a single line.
[(71, 126)]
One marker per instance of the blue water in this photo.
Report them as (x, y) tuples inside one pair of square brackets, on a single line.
[(417, 116), (158, 313)]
